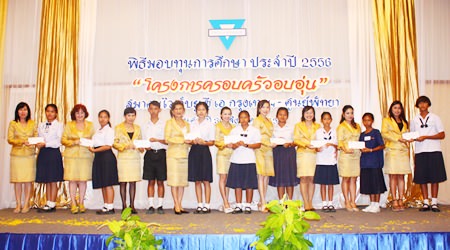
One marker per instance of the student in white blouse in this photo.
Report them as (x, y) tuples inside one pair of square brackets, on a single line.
[(104, 170), (199, 159), (430, 168), (155, 163), (49, 168), (242, 173)]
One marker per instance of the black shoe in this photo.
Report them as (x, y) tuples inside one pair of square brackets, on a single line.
[(247, 210), (177, 212), (425, 208), (133, 210), (435, 208), (46, 209), (151, 210), (199, 210), (160, 210), (184, 211), (105, 211), (237, 210)]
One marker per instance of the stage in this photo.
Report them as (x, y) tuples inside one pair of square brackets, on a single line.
[(341, 230)]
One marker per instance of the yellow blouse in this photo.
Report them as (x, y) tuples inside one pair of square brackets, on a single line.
[(303, 136), (221, 132), (175, 139), (345, 133), (122, 139), (265, 127), (71, 134), (18, 135), (391, 133)]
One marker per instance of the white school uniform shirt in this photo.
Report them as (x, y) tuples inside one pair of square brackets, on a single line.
[(52, 133), (103, 137), (243, 155), (205, 129), (286, 132), (430, 125), (328, 155), (155, 130)]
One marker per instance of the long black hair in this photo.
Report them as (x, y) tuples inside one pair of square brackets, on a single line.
[(402, 115)]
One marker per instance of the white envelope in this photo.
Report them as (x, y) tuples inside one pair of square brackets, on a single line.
[(35, 140), (318, 144), (278, 141), (231, 139), (142, 143), (86, 142), (410, 135), (191, 136), (356, 144)]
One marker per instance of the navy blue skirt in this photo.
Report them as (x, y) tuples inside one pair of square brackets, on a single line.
[(200, 164), (285, 166), (242, 176), (104, 170), (49, 166), (372, 181), (326, 175), (429, 168)]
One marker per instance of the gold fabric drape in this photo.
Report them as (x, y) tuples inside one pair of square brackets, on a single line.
[(3, 14), (396, 60), (57, 80)]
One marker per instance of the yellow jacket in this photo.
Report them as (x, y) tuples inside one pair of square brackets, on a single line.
[(18, 135), (221, 132), (71, 134), (303, 136), (122, 140), (175, 139), (265, 127), (391, 133), (345, 133)]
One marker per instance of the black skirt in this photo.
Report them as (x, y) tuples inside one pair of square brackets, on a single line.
[(200, 164), (372, 181), (326, 175), (429, 168), (285, 166), (104, 170), (49, 166), (242, 176)]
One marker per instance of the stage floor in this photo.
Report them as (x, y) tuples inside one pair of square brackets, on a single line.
[(63, 222)]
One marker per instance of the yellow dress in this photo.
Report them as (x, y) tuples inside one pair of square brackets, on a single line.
[(177, 154), (264, 154), (306, 157), (77, 159), (397, 154), (223, 153), (348, 164), (22, 158), (129, 165)]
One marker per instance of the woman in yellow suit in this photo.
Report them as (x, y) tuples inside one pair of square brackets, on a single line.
[(223, 128), (304, 132), (396, 162), (128, 158), (23, 155), (348, 161), (177, 154), (264, 154), (77, 159)]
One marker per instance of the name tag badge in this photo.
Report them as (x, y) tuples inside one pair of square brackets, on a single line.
[(367, 138)]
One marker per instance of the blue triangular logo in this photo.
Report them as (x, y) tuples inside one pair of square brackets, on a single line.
[(227, 24)]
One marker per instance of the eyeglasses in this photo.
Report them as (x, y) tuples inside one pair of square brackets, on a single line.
[(424, 125), (244, 135)]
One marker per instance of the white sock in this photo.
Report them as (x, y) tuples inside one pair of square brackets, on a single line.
[(324, 203), (239, 205), (160, 201), (246, 205), (426, 201), (51, 204), (376, 204), (207, 205), (109, 206), (330, 203), (434, 201), (150, 201), (200, 204)]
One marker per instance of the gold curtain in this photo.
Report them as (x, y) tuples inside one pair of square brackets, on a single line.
[(57, 80), (3, 14), (396, 60)]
